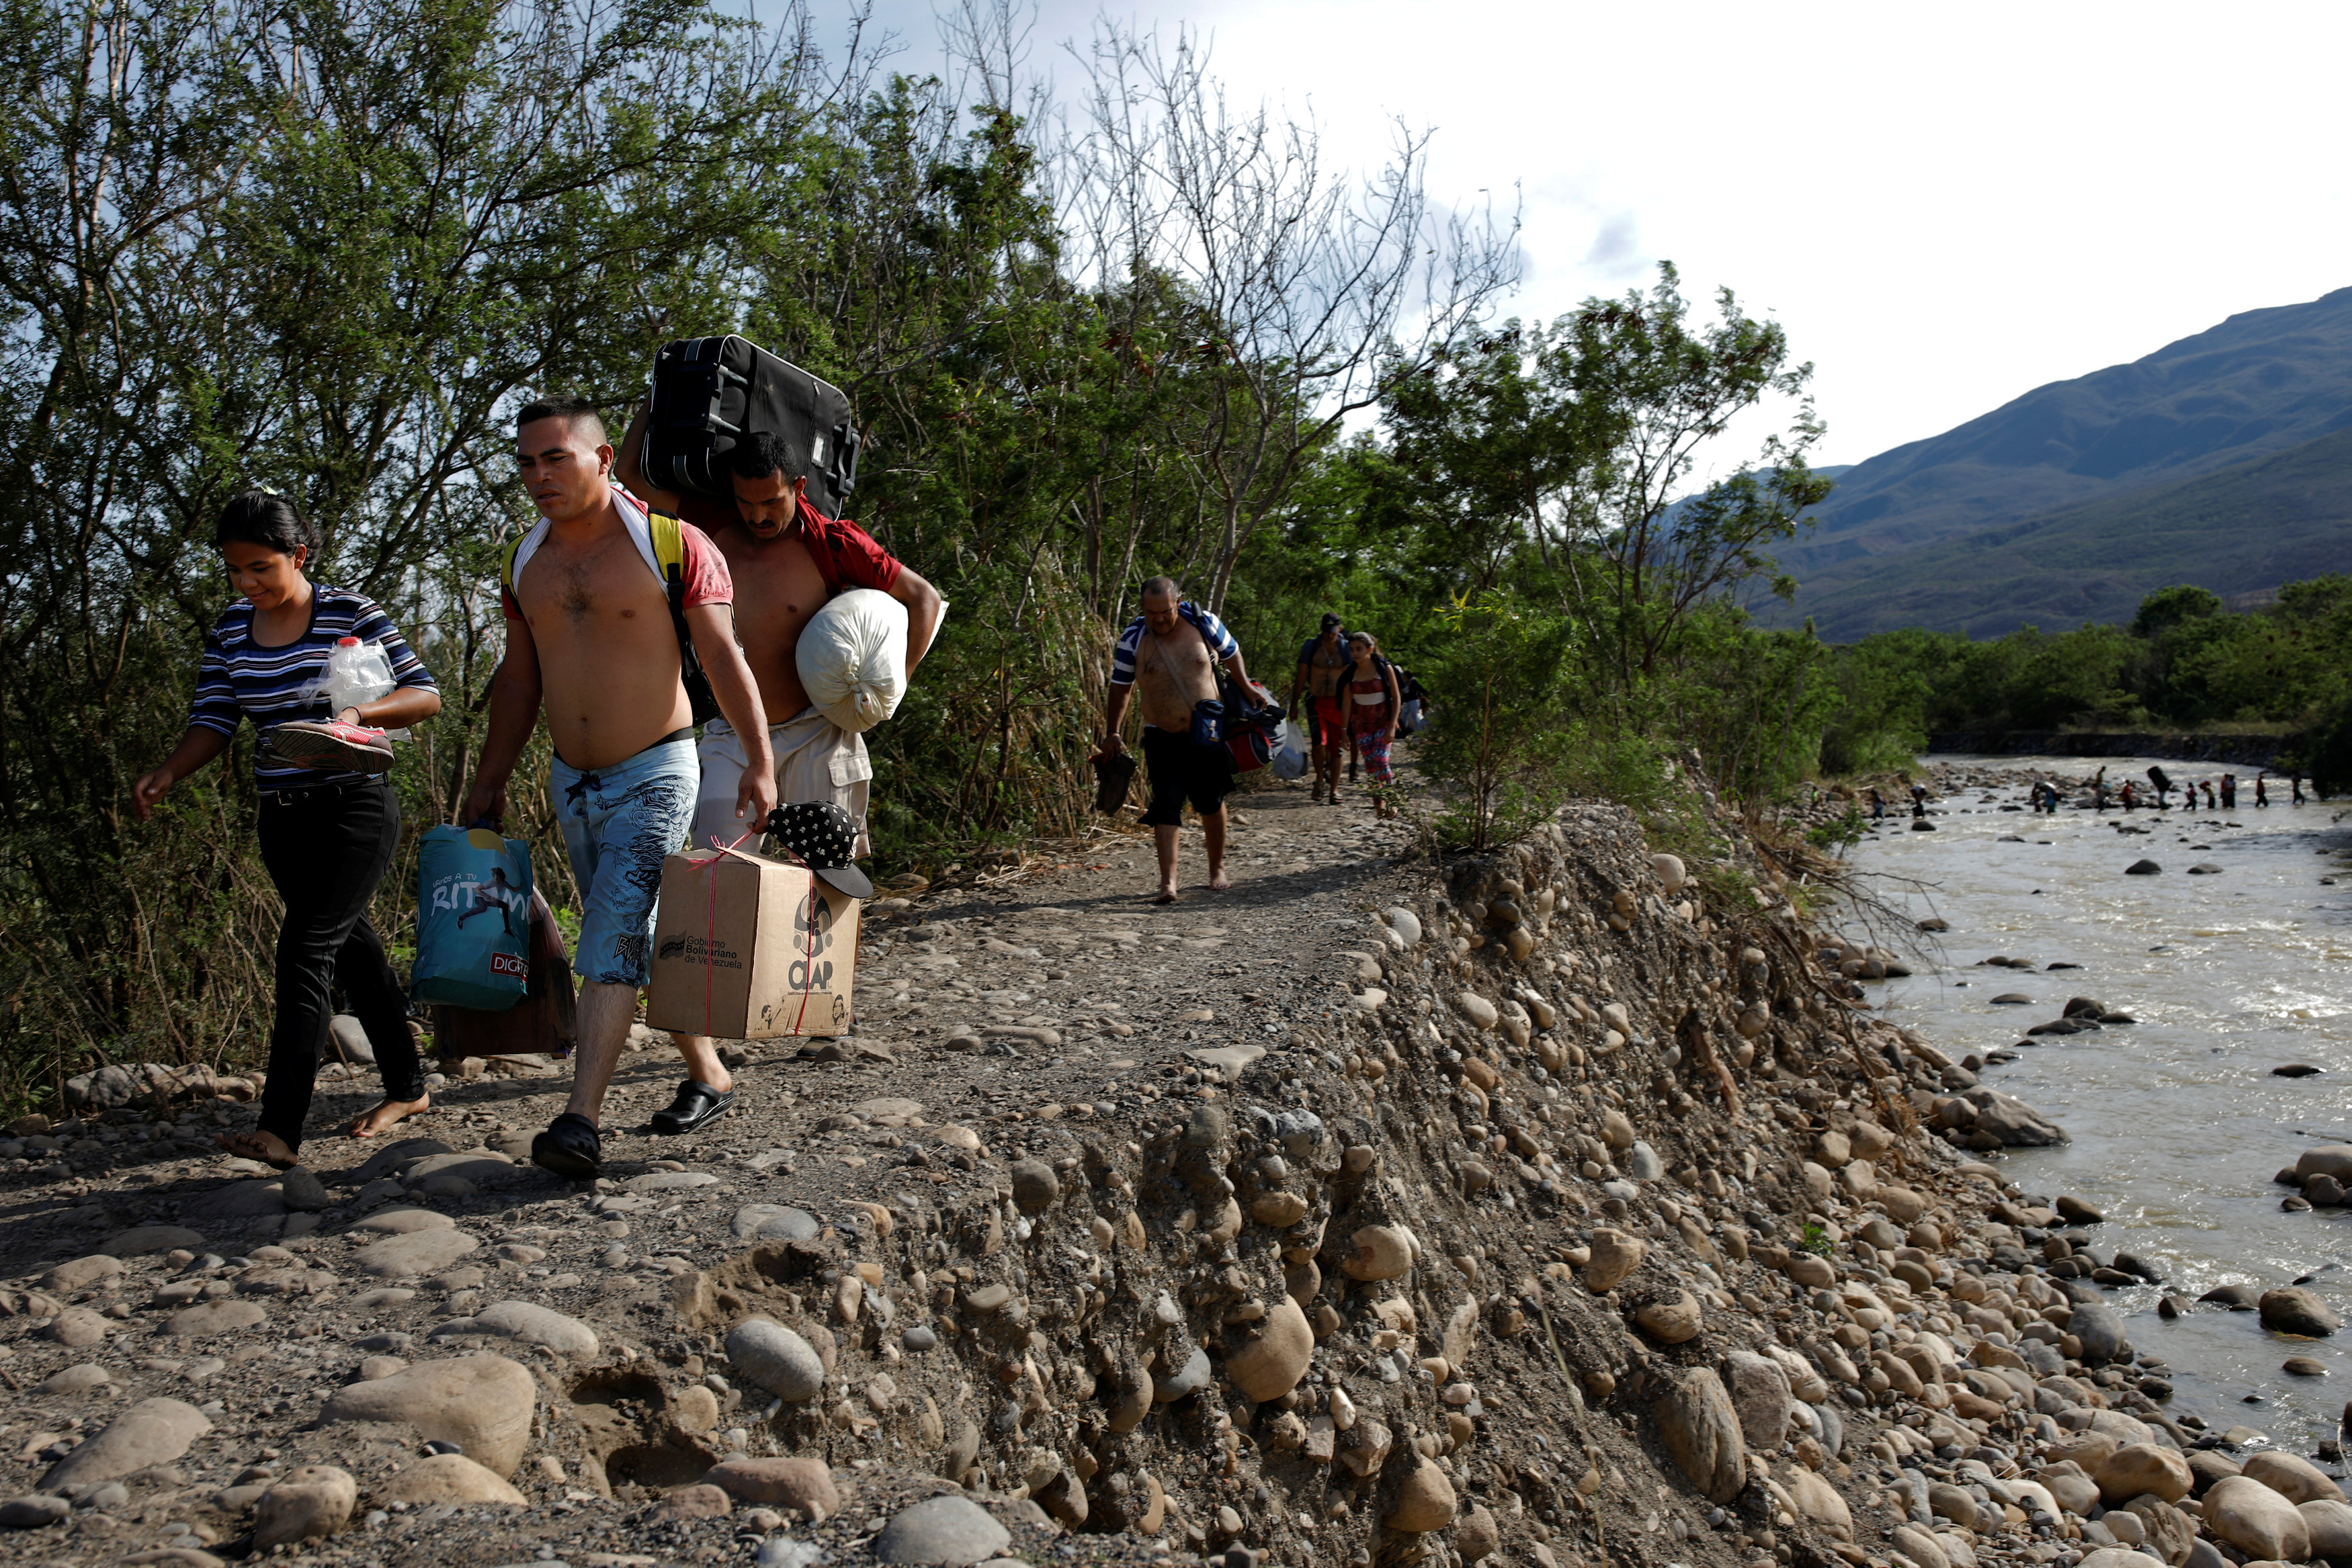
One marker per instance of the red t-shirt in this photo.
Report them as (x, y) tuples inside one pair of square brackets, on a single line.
[(704, 573), (846, 554)]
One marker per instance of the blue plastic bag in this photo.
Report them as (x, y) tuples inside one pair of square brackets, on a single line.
[(473, 919), (1289, 756)]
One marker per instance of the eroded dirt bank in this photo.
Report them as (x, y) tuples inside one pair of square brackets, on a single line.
[(1549, 1212)]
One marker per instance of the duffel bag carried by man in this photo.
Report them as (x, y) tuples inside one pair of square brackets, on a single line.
[(473, 919), (1253, 718), (708, 391)]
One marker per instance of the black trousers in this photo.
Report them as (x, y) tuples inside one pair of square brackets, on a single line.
[(327, 850)]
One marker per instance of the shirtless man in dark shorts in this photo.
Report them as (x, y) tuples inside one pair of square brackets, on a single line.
[(1167, 659)]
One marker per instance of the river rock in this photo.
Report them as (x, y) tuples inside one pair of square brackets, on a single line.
[(2296, 1478), (2329, 1525), (1034, 1186), (210, 1318), (1672, 1320), (33, 1512), (2119, 1557), (1424, 1499), (776, 1359), (1188, 1376), (152, 1432), (1921, 1545), (450, 1478), (1758, 1387), (2138, 1468), (529, 1322), (311, 1500), (1701, 1431), (238, 1200), (1382, 1252), (2326, 1159), (1818, 1502), (1404, 923), (484, 1404), (2257, 1521), (2292, 1309), (804, 1486), (941, 1529), (142, 1240), (2010, 1121), (77, 1327), (416, 1252), (2143, 868), (775, 1222), (74, 1380), (81, 1273), (1270, 1365), (1615, 1255)]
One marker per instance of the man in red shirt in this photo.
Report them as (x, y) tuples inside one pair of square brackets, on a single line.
[(786, 559)]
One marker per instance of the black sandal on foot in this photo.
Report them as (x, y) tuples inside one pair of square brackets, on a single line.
[(696, 1103), (570, 1147)]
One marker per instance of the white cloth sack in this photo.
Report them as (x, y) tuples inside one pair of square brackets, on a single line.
[(1290, 757), (853, 658)]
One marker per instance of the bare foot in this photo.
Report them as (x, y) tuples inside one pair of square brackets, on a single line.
[(1166, 895), (267, 1147), (386, 1113), (1219, 882)]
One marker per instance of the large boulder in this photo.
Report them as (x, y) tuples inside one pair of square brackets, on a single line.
[(2101, 1329), (2138, 1468), (1758, 1386), (2330, 1525), (2294, 1477), (152, 1432), (484, 1404), (2011, 1122), (1700, 1429), (2292, 1309), (2257, 1521)]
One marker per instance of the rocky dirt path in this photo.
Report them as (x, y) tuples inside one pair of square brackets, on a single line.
[(1572, 1209)]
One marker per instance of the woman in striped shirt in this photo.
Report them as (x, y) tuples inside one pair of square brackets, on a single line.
[(330, 818)]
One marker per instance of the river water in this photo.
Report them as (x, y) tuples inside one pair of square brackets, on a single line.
[(2178, 1124)]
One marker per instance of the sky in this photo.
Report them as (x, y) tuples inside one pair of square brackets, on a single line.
[(1945, 206)]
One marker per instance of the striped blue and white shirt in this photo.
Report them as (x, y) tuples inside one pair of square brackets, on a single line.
[(1213, 631), (241, 679)]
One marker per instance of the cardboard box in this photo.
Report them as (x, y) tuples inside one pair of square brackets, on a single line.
[(750, 948)]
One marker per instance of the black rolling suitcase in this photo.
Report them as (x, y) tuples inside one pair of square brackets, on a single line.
[(706, 392)]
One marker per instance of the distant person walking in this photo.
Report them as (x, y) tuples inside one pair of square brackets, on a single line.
[(330, 818), (1168, 657), (1323, 665), (2294, 782), (1375, 701), (1918, 800), (2228, 791), (1877, 806), (2262, 789), (2209, 796)]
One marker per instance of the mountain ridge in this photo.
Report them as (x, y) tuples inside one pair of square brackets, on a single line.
[(2259, 385)]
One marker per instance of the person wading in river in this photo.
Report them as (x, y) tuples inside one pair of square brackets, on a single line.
[(1170, 655)]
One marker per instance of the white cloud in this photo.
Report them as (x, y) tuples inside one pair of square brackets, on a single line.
[(1945, 204)]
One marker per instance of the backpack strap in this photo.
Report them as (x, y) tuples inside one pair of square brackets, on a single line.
[(670, 554), (506, 562)]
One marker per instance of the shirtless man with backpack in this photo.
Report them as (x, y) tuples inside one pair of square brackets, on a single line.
[(591, 638), (1166, 659)]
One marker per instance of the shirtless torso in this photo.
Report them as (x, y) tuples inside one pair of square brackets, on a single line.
[(1328, 668), (1172, 672), (777, 589), (608, 659)]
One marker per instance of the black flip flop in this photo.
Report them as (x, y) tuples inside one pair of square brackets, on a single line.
[(696, 1103), (570, 1147)]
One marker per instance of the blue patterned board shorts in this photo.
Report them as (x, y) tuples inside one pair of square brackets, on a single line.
[(619, 824)]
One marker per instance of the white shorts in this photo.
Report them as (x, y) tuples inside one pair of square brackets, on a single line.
[(815, 760)]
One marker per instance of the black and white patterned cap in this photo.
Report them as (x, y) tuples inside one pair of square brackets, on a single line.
[(823, 837)]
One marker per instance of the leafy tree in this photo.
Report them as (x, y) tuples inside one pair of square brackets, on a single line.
[(2167, 607)]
